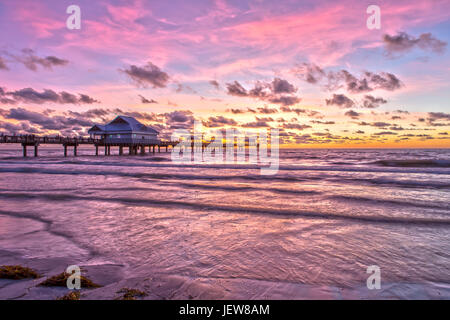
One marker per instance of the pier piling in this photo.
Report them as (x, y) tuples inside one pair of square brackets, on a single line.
[(65, 142)]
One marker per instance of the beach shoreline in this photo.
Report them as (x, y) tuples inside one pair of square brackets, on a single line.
[(173, 287), (114, 278)]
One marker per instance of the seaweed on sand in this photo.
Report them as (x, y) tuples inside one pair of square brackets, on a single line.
[(130, 294), (17, 273), (73, 295), (60, 280)]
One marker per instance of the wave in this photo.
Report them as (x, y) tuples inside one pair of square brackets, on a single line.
[(389, 202), (155, 175), (145, 163), (194, 186), (426, 184), (419, 163), (229, 208), (247, 188), (157, 159), (255, 177)]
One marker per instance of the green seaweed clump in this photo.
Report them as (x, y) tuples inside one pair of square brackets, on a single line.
[(60, 280), (17, 273), (130, 294), (73, 295)]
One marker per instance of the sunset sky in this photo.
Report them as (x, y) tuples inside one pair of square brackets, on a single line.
[(310, 68)]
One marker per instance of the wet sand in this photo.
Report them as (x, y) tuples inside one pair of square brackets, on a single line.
[(114, 277)]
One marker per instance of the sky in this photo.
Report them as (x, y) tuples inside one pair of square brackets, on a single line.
[(313, 69)]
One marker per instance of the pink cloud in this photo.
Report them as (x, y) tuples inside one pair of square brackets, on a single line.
[(35, 18)]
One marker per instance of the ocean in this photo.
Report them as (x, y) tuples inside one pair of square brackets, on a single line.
[(225, 231)]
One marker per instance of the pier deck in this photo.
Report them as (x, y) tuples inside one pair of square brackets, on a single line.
[(133, 146)]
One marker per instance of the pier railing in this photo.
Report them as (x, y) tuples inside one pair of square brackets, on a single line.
[(31, 139), (133, 144)]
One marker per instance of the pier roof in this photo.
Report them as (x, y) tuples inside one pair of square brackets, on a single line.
[(122, 124)]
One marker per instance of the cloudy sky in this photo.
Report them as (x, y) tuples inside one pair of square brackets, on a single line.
[(311, 68)]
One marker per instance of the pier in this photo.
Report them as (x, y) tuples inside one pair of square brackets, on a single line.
[(132, 146)]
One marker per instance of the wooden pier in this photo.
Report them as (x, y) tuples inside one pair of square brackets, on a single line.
[(134, 147)]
